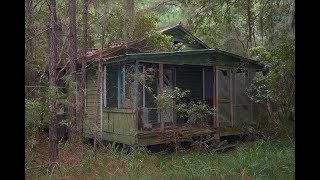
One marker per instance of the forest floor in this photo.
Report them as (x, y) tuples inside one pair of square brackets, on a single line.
[(266, 158)]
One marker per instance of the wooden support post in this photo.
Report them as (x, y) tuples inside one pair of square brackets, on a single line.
[(136, 85), (231, 95), (215, 69), (250, 77), (174, 83), (119, 86), (101, 88), (234, 89), (203, 84), (143, 87), (123, 83), (160, 92), (135, 92), (214, 99)]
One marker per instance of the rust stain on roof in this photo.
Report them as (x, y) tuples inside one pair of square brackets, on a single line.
[(97, 53), (94, 54)]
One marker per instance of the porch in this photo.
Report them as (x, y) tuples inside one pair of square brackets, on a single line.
[(131, 82)]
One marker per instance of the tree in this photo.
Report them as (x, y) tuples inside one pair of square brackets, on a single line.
[(129, 12), (29, 29), (53, 141), (99, 73), (239, 25), (74, 135), (81, 112), (250, 25), (277, 88), (292, 18)]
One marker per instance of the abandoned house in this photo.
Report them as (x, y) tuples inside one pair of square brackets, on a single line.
[(127, 112)]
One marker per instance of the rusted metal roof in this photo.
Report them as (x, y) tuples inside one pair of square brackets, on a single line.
[(98, 53), (94, 54)]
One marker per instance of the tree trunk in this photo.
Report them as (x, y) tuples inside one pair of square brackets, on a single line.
[(249, 22), (292, 18), (29, 30), (130, 8), (31, 76), (74, 136), (81, 112), (261, 25), (129, 11), (53, 124), (99, 82), (161, 92), (254, 44)]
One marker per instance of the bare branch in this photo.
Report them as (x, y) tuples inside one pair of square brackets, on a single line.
[(238, 35), (37, 34), (163, 3), (261, 10)]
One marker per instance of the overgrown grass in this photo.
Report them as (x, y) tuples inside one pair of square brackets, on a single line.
[(267, 158)]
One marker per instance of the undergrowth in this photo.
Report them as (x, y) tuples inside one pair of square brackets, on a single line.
[(266, 158)]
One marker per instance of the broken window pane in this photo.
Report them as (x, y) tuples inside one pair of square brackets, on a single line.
[(223, 84)]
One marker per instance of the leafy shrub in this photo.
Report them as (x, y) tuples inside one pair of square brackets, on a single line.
[(277, 87), (33, 116), (196, 112)]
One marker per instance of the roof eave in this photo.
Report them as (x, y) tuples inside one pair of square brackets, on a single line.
[(143, 56)]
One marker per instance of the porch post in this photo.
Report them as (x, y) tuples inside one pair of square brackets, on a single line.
[(249, 81), (203, 85), (135, 85), (160, 92), (215, 95), (233, 100), (102, 77), (231, 95), (119, 86)]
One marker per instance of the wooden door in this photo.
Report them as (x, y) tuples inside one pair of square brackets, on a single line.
[(224, 97)]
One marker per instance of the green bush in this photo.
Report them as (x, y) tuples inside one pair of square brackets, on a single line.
[(196, 112), (33, 116), (277, 87)]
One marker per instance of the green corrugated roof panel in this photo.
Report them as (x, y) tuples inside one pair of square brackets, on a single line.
[(190, 57)]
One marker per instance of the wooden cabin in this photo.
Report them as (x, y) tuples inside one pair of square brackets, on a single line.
[(128, 113)]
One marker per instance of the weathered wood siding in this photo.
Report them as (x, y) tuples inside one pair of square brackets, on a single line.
[(91, 91), (119, 125)]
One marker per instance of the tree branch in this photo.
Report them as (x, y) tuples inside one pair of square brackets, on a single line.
[(163, 3)]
